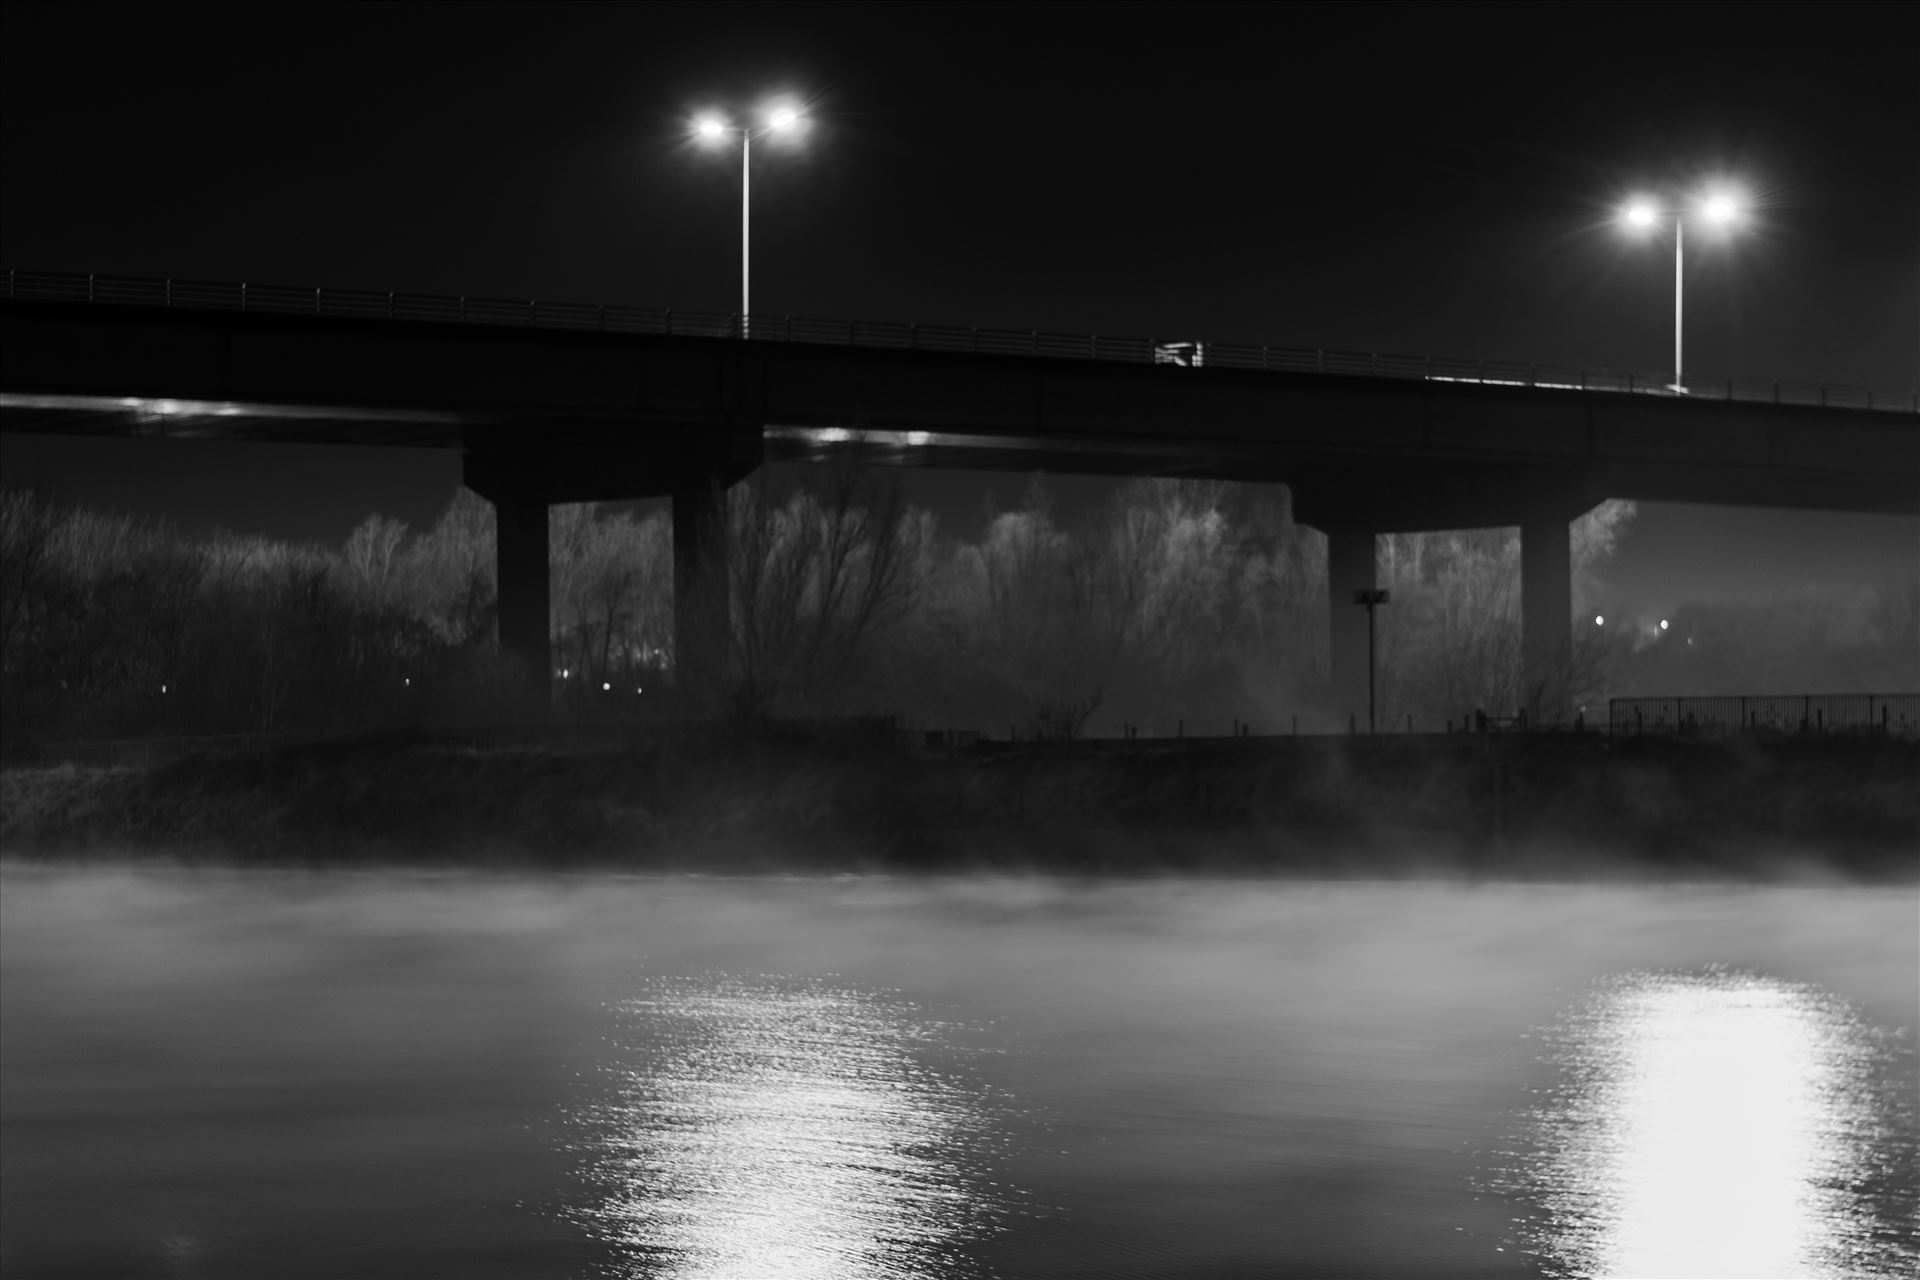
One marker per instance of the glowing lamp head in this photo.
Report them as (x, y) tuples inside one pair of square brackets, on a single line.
[(1721, 209), (1663, 624), (710, 127), (1599, 619), (783, 118), (1641, 214)]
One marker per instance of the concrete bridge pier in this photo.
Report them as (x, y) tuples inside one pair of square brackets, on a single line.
[(520, 561), (1351, 565), (1352, 508), (693, 465), (1546, 616), (702, 626)]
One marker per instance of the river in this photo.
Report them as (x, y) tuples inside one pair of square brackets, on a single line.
[(248, 1074)]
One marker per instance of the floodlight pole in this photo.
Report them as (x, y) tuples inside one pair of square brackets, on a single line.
[(746, 147), (1679, 240)]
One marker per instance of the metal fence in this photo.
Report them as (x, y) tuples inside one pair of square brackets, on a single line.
[(1895, 714), (200, 295)]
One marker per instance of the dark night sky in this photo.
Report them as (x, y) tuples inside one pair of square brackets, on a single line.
[(1422, 179)]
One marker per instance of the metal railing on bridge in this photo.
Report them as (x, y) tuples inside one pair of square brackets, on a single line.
[(1894, 714), (200, 295)]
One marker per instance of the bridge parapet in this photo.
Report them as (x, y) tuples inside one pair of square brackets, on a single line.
[(363, 304)]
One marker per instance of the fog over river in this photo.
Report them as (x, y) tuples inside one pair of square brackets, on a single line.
[(248, 1074)]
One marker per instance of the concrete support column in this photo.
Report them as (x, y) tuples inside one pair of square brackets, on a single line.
[(702, 630), (1546, 617), (520, 557), (1350, 568)]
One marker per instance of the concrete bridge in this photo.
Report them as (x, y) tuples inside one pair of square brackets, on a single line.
[(563, 403)]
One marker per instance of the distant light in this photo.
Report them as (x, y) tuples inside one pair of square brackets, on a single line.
[(566, 673), (163, 688), (1689, 639), (408, 682), (638, 689), (1599, 619), (1641, 214), (606, 686), (784, 118), (1722, 208), (1663, 624), (710, 127)]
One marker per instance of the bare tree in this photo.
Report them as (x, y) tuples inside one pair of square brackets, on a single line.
[(815, 580), (372, 555)]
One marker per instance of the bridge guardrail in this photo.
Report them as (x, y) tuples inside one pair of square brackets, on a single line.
[(199, 295)]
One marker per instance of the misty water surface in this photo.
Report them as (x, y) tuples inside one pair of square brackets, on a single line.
[(244, 1074)]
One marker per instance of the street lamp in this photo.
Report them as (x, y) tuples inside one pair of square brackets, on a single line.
[(1718, 209), (1370, 597), (713, 129)]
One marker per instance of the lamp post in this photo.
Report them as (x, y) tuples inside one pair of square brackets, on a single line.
[(712, 129), (1370, 597), (1719, 210)]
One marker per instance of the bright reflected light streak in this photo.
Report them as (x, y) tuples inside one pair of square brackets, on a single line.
[(886, 439), (1713, 1124), (776, 1128), (166, 407)]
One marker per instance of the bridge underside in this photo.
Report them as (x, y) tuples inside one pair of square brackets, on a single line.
[(546, 416)]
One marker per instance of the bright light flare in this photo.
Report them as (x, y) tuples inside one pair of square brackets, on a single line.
[(1721, 208), (1663, 624), (710, 127), (1599, 619), (783, 118), (1642, 214)]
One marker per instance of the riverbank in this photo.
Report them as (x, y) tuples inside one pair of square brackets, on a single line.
[(1544, 805)]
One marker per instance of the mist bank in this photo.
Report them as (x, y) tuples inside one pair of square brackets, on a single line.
[(1546, 806)]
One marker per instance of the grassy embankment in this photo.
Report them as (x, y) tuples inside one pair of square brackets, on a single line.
[(1549, 806)]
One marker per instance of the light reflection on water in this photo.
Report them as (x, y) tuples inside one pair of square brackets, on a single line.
[(784, 1128), (1715, 1124)]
